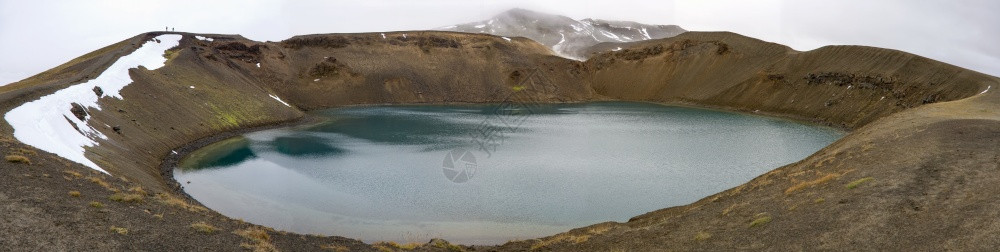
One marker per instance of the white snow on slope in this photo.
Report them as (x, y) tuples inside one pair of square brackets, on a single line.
[(45, 123), (204, 38), (576, 36), (612, 36), (558, 46), (279, 99)]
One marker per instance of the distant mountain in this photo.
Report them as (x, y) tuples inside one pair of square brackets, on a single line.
[(566, 36)]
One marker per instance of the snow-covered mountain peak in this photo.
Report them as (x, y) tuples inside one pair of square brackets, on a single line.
[(567, 37)]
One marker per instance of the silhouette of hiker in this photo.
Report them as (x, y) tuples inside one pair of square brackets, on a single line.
[(172, 28)]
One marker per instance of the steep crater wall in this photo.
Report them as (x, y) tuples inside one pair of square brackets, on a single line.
[(215, 83), (843, 86)]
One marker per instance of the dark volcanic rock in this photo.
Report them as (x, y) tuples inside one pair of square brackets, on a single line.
[(78, 111)]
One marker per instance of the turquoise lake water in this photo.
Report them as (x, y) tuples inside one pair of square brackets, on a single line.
[(486, 174)]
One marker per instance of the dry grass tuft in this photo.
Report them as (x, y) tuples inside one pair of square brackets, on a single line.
[(381, 248), (733, 207), (75, 194), (825, 161), (438, 243), (702, 235), (599, 229), (571, 238), (138, 190), (73, 173), (392, 246), (811, 183), (204, 228), (99, 181), (24, 151), (18, 159), (260, 239), (119, 230), (334, 248), (178, 202), (127, 197), (856, 183), (761, 220), (96, 204)]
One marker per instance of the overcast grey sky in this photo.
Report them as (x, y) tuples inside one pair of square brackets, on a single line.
[(40, 34)]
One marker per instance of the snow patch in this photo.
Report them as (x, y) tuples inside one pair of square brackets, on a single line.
[(279, 99), (558, 46), (192, 87), (987, 89), (315, 80), (383, 35), (612, 35), (506, 38), (404, 35), (594, 36), (480, 26), (48, 124), (617, 49), (258, 65), (204, 38)]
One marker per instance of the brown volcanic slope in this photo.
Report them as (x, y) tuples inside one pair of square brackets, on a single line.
[(920, 160), (909, 176)]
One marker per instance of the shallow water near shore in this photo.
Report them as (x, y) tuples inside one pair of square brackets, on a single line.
[(486, 174)]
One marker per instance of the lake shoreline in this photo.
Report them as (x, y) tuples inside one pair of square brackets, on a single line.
[(357, 131)]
